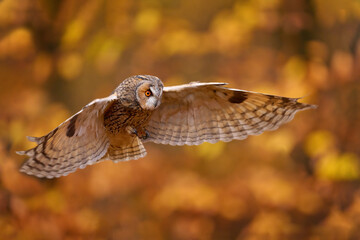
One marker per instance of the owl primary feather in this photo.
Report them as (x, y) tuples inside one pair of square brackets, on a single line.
[(142, 110)]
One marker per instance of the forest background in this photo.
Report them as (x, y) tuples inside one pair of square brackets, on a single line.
[(298, 182)]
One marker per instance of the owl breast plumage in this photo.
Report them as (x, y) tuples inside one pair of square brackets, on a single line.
[(142, 110)]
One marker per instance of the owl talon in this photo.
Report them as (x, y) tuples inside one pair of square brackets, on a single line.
[(134, 131), (140, 134), (143, 135), (146, 136)]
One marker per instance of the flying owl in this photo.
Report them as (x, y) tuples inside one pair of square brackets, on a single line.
[(142, 110)]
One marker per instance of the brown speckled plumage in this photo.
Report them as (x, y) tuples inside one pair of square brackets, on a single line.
[(119, 116), (141, 109)]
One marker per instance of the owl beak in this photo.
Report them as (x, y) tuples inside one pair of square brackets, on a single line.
[(157, 103)]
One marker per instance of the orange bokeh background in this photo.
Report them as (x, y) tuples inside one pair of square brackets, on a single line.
[(298, 182)]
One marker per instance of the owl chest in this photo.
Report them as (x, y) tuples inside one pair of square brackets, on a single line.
[(117, 118)]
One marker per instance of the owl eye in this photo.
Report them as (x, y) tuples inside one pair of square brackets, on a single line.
[(148, 93)]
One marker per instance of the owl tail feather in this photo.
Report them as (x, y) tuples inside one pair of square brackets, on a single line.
[(133, 151)]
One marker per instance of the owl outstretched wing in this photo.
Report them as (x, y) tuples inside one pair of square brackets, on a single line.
[(79, 141), (209, 112)]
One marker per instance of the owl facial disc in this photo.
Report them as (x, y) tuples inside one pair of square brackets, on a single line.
[(149, 92)]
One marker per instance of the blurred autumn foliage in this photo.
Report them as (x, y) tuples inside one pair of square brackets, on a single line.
[(299, 182)]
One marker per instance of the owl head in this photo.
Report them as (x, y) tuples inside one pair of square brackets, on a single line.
[(140, 90), (148, 91)]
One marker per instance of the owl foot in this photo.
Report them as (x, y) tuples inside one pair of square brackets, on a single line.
[(143, 134)]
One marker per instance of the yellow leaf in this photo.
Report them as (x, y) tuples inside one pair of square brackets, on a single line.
[(338, 167), (147, 20), (319, 142)]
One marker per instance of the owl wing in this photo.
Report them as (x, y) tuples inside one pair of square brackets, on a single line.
[(79, 141), (209, 112)]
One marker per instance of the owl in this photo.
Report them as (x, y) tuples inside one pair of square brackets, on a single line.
[(142, 110)]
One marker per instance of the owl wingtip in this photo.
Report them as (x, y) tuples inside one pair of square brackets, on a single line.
[(34, 139), (308, 106), (22, 169), (313, 106), (21, 152)]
